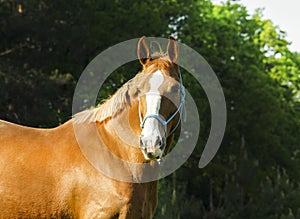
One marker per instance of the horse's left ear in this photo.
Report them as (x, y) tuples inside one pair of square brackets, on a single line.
[(172, 49), (143, 50)]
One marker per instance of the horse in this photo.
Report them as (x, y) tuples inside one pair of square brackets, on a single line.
[(44, 174)]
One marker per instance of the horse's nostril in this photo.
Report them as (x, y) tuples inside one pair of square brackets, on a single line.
[(158, 142), (150, 142), (141, 142)]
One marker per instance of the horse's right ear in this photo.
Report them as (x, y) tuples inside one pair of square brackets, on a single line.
[(143, 50)]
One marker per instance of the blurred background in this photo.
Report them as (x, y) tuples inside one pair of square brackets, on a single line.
[(45, 45)]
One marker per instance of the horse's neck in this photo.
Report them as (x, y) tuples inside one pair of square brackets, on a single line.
[(123, 132), (112, 146)]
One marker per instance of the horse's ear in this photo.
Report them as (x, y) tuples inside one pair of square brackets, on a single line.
[(172, 49), (143, 50)]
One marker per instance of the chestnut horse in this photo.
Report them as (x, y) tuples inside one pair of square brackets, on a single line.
[(44, 174)]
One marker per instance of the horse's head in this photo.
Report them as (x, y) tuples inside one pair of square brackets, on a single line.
[(161, 99)]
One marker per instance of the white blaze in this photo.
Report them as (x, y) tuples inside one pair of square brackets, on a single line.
[(155, 81), (153, 99)]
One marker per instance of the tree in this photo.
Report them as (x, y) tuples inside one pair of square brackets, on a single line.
[(52, 42), (260, 79)]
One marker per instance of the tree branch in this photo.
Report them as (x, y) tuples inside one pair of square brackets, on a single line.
[(8, 51)]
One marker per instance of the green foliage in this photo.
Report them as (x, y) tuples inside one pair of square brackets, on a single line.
[(48, 36), (45, 45), (260, 79)]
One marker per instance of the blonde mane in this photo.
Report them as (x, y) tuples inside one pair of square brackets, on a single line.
[(112, 106)]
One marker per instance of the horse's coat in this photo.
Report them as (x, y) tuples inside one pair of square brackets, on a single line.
[(43, 173)]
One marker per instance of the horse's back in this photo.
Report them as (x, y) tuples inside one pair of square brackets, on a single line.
[(30, 177), (21, 145), (13, 133)]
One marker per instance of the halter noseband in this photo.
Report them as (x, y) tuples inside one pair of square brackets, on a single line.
[(163, 121)]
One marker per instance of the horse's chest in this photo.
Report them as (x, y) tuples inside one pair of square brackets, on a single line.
[(128, 200)]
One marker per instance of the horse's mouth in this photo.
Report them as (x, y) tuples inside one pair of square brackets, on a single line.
[(153, 157)]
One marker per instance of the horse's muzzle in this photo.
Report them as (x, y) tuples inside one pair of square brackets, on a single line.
[(152, 147)]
